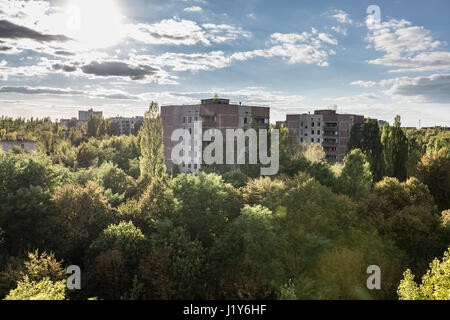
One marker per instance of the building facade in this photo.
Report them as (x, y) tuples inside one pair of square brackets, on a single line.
[(128, 126), (69, 123), (84, 116), (325, 127), (214, 114)]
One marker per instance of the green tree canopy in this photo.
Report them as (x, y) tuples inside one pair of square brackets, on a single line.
[(355, 179), (435, 283)]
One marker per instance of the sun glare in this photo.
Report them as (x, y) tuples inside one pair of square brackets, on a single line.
[(95, 23)]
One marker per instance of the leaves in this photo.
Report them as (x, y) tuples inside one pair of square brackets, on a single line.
[(435, 283)]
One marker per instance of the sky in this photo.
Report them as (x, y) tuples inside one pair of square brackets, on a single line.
[(375, 58)]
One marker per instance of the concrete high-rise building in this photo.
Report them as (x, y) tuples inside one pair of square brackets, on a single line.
[(325, 127), (69, 123), (84, 116), (214, 113), (128, 126)]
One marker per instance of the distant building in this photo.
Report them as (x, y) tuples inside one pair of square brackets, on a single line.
[(128, 126), (325, 127), (437, 127), (84, 116), (69, 123), (278, 124), (27, 145), (214, 113)]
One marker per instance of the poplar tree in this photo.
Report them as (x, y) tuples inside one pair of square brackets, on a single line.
[(395, 150), (151, 140), (368, 138), (399, 151)]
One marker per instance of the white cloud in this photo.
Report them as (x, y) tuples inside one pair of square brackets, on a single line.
[(184, 32), (169, 31), (111, 94), (355, 98), (184, 61), (193, 9), (305, 48), (196, 1), (364, 84), (219, 33), (327, 38), (398, 37), (342, 17), (426, 61), (339, 29), (409, 48), (426, 89), (295, 48)]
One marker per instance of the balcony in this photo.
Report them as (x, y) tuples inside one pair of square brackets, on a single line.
[(330, 142), (330, 151), (209, 121), (332, 134)]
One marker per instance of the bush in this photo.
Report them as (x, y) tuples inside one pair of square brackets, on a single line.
[(38, 290)]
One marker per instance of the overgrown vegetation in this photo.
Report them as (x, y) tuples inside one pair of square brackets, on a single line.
[(100, 202)]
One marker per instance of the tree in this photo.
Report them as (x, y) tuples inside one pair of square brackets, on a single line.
[(156, 203), (247, 258), (368, 139), (114, 257), (36, 267), (314, 153), (405, 212), (386, 141), (152, 148), (126, 238), (175, 269), (264, 191), (434, 171), (44, 289), (235, 177), (110, 278), (395, 148), (84, 155), (118, 181), (414, 155), (435, 283), (26, 184), (97, 127), (43, 265), (207, 204), (82, 214), (355, 179)]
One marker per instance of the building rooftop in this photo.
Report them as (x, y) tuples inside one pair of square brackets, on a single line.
[(215, 101)]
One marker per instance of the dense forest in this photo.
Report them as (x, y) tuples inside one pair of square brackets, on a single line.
[(104, 202)]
